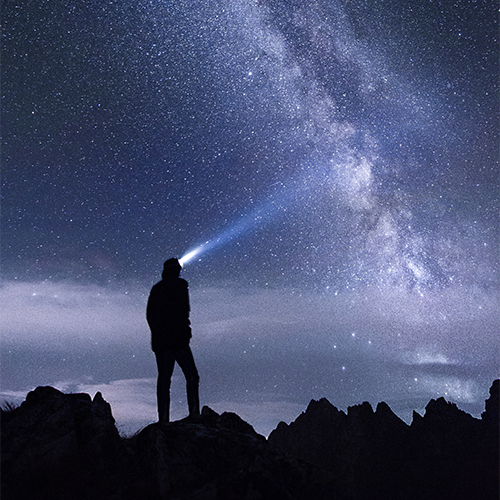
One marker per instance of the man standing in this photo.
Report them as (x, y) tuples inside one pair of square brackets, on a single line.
[(168, 318)]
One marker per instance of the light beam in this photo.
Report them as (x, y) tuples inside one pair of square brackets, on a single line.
[(190, 255), (259, 215)]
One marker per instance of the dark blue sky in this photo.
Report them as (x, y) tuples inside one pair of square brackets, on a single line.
[(353, 146)]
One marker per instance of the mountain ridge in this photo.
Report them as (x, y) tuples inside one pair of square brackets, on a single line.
[(57, 446)]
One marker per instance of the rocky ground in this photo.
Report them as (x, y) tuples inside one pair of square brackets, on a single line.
[(66, 446)]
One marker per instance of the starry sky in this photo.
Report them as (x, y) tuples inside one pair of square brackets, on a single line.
[(335, 165)]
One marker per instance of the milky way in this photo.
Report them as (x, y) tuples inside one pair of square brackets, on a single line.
[(334, 158)]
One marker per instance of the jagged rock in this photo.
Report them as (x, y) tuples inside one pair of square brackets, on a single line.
[(221, 457), (66, 446), (60, 446), (445, 454), (314, 436), (491, 415), (65, 440), (350, 447), (444, 446), (491, 436)]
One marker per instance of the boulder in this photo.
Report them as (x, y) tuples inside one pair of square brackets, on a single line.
[(68, 442), (66, 446)]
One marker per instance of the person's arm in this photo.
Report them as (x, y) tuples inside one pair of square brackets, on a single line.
[(152, 310)]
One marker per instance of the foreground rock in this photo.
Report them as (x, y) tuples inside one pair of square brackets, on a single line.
[(221, 457), (57, 446)]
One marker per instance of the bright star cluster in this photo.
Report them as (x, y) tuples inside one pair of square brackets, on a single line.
[(337, 159)]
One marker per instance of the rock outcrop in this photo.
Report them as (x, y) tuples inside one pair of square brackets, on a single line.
[(66, 446), (220, 457), (61, 446), (56, 443), (358, 449), (445, 454)]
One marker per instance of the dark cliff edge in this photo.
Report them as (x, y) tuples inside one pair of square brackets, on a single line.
[(66, 446)]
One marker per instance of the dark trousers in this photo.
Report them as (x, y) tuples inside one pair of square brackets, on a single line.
[(166, 361)]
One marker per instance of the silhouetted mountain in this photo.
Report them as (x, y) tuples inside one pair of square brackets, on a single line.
[(446, 454), (66, 446)]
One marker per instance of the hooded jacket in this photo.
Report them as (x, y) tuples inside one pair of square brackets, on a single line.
[(167, 314)]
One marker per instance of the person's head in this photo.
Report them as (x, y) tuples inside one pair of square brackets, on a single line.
[(171, 268)]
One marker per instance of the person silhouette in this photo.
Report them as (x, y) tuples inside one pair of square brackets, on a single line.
[(167, 314)]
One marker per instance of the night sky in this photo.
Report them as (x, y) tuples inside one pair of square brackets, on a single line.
[(335, 163)]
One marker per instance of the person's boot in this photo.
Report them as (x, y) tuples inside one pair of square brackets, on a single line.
[(163, 409), (193, 401)]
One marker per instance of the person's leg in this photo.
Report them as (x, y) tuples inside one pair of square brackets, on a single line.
[(165, 361), (185, 359)]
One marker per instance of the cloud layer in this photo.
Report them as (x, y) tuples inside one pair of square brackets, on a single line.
[(261, 353)]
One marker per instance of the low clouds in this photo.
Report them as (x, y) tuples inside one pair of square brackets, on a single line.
[(395, 322), (261, 353), (49, 313)]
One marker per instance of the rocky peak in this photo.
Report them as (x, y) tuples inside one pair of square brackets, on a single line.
[(322, 406), (60, 446), (362, 411), (492, 406), (445, 454), (385, 417), (441, 417)]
